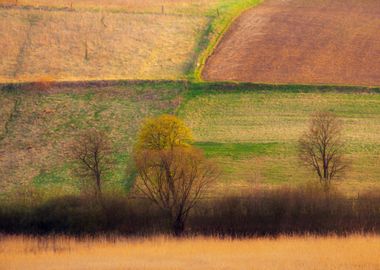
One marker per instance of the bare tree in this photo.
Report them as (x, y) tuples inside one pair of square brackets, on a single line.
[(321, 147), (175, 179), (92, 153)]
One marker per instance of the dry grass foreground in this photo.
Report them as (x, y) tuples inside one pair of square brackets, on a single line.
[(302, 41), (38, 45), (284, 253)]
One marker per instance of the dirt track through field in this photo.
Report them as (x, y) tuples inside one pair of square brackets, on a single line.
[(302, 41)]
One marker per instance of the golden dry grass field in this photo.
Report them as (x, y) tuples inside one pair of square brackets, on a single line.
[(60, 45), (152, 6), (284, 253)]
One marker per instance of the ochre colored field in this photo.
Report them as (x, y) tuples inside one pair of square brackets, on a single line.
[(302, 41), (37, 45), (284, 253), (151, 6)]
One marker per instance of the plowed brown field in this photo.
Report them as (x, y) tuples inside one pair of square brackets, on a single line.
[(302, 41)]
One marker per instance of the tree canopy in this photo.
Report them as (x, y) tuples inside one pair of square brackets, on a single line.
[(162, 132)]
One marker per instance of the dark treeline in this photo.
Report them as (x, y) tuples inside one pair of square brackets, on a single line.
[(281, 211)]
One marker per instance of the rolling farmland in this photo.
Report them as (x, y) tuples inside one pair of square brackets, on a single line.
[(87, 182), (108, 40), (251, 134)]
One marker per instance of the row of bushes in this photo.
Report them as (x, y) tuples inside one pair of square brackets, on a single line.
[(282, 211)]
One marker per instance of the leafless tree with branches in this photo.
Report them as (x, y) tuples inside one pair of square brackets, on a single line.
[(321, 147), (175, 179), (92, 154)]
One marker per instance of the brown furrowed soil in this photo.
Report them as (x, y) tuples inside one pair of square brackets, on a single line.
[(302, 41)]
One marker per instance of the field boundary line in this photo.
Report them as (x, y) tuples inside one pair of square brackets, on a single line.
[(211, 87), (12, 116), (217, 37), (95, 10)]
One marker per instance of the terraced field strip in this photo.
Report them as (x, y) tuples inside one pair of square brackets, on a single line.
[(301, 41), (38, 125), (253, 134)]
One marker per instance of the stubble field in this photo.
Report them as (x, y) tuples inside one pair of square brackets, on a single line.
[(40, 45), (137, 6)]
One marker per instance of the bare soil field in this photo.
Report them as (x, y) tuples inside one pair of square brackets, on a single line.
[(285, 253), (301, 41)]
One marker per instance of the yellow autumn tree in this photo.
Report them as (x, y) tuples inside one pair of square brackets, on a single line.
[(171, 173), (163, 132)]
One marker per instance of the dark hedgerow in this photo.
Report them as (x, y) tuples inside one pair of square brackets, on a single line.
[(282, 211)]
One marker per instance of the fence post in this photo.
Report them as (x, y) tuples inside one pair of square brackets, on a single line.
[(85, 50)]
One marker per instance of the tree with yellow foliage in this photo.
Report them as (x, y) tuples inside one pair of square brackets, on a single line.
[(165, 131), (171, 173)]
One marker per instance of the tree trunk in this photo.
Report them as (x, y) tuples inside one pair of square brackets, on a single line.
[(98, 185), (178, 225)]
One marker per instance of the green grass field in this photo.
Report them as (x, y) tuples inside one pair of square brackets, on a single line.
[(253, 135)]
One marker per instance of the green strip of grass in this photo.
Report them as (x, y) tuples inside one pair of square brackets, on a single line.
[(207, 88), (237, 150)]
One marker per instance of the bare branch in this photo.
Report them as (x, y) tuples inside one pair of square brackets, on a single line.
[(321, 147), (91, 152)]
